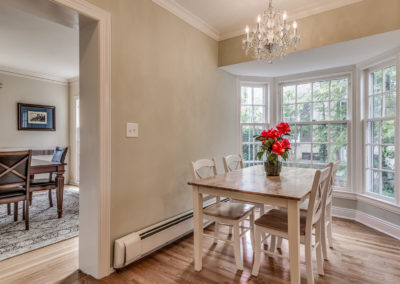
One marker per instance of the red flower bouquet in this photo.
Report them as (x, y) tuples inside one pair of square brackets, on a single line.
[(274, 145)]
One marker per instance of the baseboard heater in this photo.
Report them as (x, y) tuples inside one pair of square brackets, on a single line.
[(139, 244)]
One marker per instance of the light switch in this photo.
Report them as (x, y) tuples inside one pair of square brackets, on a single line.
[(132, 129)]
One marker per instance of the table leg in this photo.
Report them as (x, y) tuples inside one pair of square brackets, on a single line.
[(198, 228), (294, 240), (60, 192)]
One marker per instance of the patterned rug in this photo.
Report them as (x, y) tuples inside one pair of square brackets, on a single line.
[(45, 227)]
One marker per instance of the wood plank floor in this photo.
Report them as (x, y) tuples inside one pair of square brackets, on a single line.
[(361, 255)]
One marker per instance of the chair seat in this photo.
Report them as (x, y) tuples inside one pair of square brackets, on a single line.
[(11, 192), (228, 210), (44, 181), (277, 219)]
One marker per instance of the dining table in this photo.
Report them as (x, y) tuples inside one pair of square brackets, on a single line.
[(288, 190), (39, 166)]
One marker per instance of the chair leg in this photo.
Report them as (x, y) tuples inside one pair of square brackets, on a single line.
[(323, 238), (15, 211), (262, 212), (30, 198), (273, 243), (216, 231), (23, 210), (8, 209), (252, 229), (50, 199), (257, 252), (318, 248), (237, 247), (329, 219), (26, 215), (308, 253)]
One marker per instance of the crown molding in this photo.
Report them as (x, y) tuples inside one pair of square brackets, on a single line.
[(32, 75), (190, 18)]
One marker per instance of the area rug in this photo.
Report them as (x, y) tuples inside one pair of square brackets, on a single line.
[(45, 227)]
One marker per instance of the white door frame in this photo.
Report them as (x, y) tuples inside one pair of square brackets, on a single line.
[(100, 263)]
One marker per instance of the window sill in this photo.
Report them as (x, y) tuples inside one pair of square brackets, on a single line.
[(368, 199)]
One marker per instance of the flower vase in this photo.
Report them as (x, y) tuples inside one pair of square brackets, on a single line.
[(272, 169)]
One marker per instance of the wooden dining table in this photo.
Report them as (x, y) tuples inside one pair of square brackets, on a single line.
[(251, 184), (43, 167)]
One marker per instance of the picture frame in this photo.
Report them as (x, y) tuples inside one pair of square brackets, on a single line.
[(36, 117)]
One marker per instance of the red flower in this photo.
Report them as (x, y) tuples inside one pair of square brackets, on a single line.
[(272, 133), (278, 148), (264, 134), (283, 128), (285, 143), (263, 142)]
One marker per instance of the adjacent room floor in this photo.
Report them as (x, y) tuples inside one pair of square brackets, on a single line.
[(361, 255)]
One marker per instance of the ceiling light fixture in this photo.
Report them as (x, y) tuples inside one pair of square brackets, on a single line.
[(273, 37)]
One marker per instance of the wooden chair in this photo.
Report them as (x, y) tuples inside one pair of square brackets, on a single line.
[(232, 163), (15, 180), (59, 155), (225, 213), (275, 222)]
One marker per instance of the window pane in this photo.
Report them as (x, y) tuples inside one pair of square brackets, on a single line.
[(339, 153), (288, 95), (390, 104), (376, 80), (339, 110), (320, 153), (245, 152), (388, 132), (373, 132), (258, 96), (390, 78), (320, 133), (258, 114), (339, 89), (289, 113), (303, 153), (321, 91), (388, 184), (375, 157), (258, 129), (376, 106), (293, 134), (321, 111), (341, 176), (304, 112), (304, 93), (338, 133), (245, 114), (247, 133), (368, 156), (388, 157), (246, 96), (304, 133), (376, 176)]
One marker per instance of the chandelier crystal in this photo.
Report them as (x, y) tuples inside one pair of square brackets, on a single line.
[(273, 37)]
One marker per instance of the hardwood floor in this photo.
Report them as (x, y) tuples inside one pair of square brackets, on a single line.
[(361, 255)]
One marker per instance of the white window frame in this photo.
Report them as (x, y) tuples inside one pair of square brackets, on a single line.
[(366, 120), (311, 80), (265, 87)]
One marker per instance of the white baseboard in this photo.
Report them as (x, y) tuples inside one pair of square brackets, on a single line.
[(368, 220)]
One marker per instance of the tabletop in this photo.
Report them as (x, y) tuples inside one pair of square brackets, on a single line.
[(293, 183)]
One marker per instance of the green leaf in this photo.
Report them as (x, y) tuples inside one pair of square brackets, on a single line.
[(259, 155)]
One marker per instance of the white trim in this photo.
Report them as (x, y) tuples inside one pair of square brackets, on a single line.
[(102, 262), (368, 220), (32, 75), (190, 18)]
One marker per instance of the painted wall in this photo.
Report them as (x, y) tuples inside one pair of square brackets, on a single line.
[(354, 21), (164, 77), (23, 89), (73, 91)]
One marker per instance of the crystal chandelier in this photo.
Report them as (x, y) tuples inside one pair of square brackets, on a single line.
[(272, 37)]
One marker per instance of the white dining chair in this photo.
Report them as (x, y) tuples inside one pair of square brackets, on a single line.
[(327, 214), (226, 213), (275, 222)]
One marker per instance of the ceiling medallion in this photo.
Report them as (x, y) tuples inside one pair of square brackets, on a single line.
[(273, 37)]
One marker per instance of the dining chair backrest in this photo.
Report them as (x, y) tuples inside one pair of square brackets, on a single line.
[(204, 168), (332, 178), (15, 169), (316, 203), (232, 162), (59, 154)]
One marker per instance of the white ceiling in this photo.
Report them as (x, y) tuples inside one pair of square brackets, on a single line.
[(336, 55), (222, 19), (36, 45)]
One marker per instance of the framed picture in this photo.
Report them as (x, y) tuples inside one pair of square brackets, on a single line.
[(36, 117)]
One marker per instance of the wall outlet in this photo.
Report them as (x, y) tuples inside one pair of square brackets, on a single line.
[(132, 130)]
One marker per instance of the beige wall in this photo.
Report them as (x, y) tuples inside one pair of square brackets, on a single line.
[(164, 77), (20, 89), (73, 90), (354, 21)]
